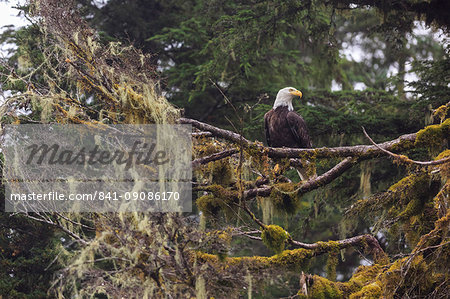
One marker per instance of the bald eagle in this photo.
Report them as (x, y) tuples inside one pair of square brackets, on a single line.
[(284, 127)]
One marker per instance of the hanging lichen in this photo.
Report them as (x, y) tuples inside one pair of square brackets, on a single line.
[(285, 197), (221, 172), (332, 261), (200, 288), (267, 209), (248, 278), (365, 185)]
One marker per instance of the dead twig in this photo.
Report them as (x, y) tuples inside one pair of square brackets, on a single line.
[(404, 158)]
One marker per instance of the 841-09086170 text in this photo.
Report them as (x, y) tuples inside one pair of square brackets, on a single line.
[(97, 195)]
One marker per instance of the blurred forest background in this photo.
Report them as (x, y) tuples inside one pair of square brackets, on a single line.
[(381, 65)]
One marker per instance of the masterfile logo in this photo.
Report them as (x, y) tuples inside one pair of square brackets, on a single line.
[(102, 168)]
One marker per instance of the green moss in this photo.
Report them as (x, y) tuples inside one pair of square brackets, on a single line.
[(410, 181), (365, 274), (217, 172), (255, 149), (411, 206), (403, 145), (274, 237), (221, 172), (441, 112), (221, 199), (258, 155), (281, 166), (328, 246), (324, 289), (221, 192), (218, 242), (208, 204), (406, 191), (285, 197), (412, 276), (311, 169), (432, 136), (403, 274), (371, 291), (309, 155), (407, 206), (440, 201), (445, 168), (419, 275), (289, 259), (443, 154), (293, 259), (411, 209)]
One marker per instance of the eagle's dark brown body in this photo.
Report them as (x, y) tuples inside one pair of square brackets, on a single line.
[(286, 128)]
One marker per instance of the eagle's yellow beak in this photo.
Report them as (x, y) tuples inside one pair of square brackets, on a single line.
[(296, 93)]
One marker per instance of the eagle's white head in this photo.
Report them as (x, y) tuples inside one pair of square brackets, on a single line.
[(285, 96)]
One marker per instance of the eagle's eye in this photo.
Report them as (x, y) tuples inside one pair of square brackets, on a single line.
[(291, 89)]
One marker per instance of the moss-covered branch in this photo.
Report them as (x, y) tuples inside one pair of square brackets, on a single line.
[(403, 142), (414, 276), (312, 184), (293, 260), (368, 241), (213, 157), (405, 159)]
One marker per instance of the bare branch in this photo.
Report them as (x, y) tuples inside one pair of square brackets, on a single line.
[(244, 207), (74, 222), (404, 158), (213, 157), (59, 226), (238, 232), (253, 237), (225, 134), (318, 245), (328, 176), (202, 134)]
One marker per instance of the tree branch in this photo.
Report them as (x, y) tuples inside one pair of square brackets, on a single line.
[(202, 134), (322, 247), (222, 133), (59, 226), (404, 158), (213, 157), (312, 184), (360, 151)]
